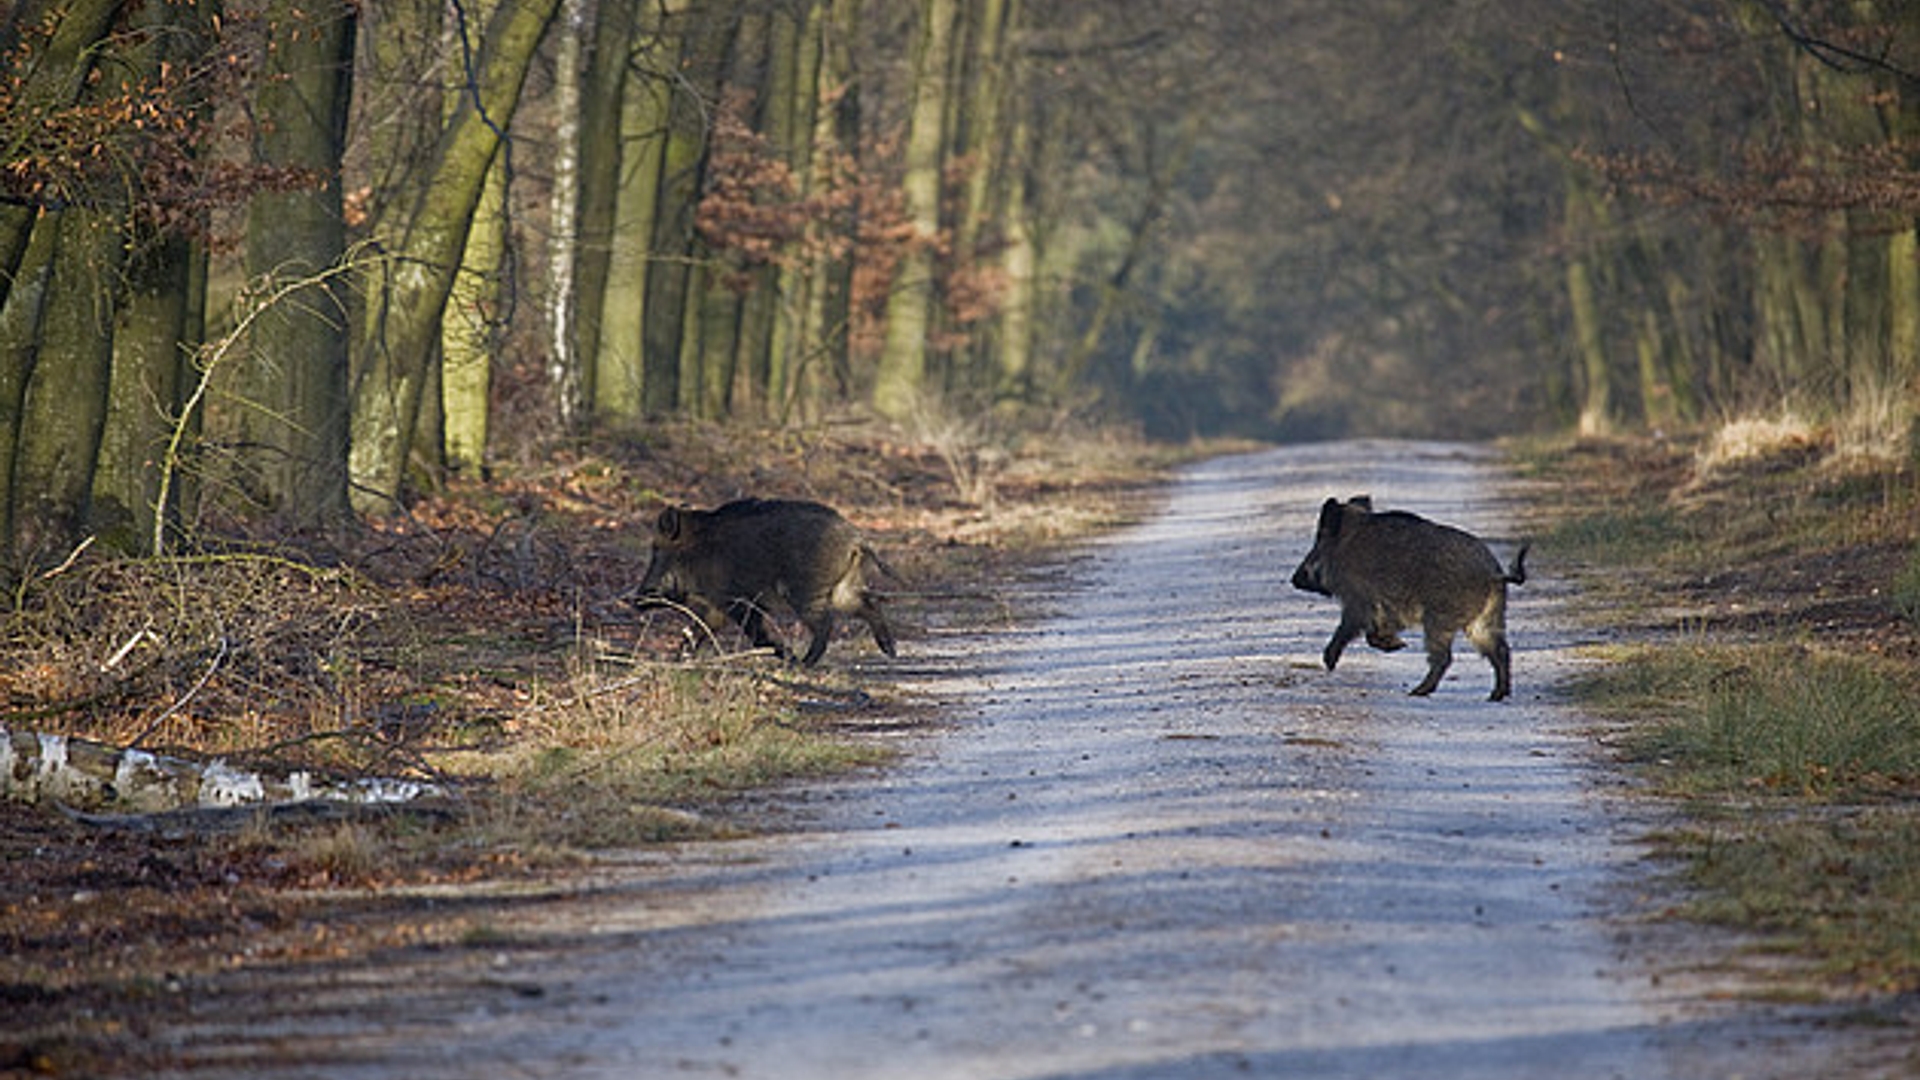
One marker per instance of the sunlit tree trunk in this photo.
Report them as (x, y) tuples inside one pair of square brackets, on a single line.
[(794, 67), (620, 370), (563, 247), (470, 332), (1593, 368), (820, 353), (900, 382), (673, 304), (983, 147), (603, 89), (1020, 263), (423, 241)]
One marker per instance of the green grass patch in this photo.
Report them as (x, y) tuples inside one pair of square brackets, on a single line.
[(1629, 533), (1841, 889), (1718, 719), (1799, 767)]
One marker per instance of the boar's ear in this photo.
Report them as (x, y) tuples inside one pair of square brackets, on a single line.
[(1364, 502), (1330, 518), (668, 525)]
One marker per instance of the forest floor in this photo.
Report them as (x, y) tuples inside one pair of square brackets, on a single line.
[(109, 929), (474, 626)]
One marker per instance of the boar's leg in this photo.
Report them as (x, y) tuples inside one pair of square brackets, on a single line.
[(1439, 657), (1384, 640), (877, 622), (1502, 660), (1489, 636), (1494, 647), (821, 626), (752, 619), (1351, 626)]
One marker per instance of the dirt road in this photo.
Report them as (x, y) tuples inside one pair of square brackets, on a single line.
[(1157, 841)]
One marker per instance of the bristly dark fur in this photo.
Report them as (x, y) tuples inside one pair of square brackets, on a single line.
[(1392, 570), (734, 560)]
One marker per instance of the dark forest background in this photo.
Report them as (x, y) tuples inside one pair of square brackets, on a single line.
[(300, 258)]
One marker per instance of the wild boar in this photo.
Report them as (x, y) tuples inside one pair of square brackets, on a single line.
[(736, 559), (1393, 570)]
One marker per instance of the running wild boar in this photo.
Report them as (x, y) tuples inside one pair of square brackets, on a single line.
[(1393, 570), (738, 558)]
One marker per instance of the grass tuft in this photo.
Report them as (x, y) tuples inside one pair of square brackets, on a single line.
[(1780, 718)]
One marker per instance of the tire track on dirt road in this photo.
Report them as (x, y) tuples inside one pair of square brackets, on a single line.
[(1158, 841)]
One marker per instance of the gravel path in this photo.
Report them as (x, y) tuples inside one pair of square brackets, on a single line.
[(1158, 841)]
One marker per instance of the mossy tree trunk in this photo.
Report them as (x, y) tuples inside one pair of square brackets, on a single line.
[(422, 241), (603, 89), (674, 376), (901, 380)]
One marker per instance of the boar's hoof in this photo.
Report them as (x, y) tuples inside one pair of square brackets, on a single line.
[(1385, 642)]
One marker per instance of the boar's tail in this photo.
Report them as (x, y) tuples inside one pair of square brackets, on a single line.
[(873, 557), (1518, 575)]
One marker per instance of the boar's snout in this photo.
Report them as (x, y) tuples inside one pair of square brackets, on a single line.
[(1308, 578), (660, 580)]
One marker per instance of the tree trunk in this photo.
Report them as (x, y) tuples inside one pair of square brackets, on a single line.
[(983, 146), (1113, 289), (620, 369), (423, 242), (150, 347), (89, 776), (1019, 262), (673, 300), (55, 76), (794, 59), (66, 401), (604, 84), (470, 333), (820, 348), (296, 368), (900, 383), (20, 319), (767, 72), (156, 333)]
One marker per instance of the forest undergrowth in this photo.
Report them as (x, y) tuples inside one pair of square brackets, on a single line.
[(488, 642), (1759, 590)]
